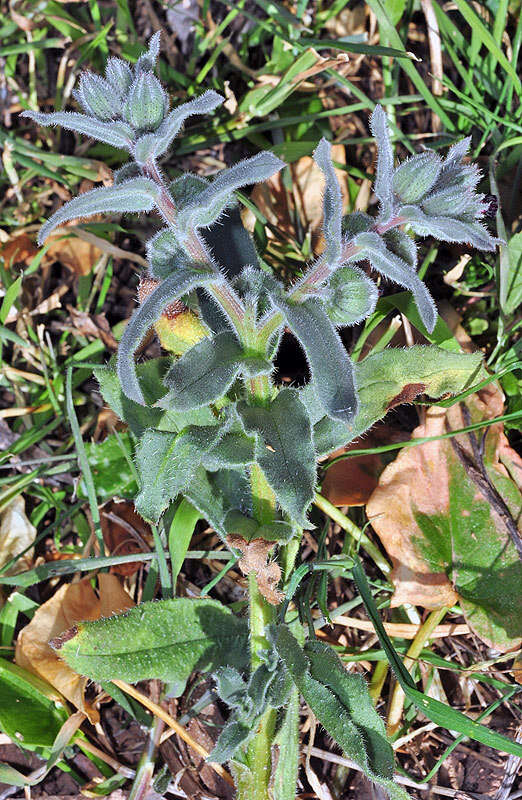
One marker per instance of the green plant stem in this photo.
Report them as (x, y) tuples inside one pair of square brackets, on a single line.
[(259, 752), (356, 533)]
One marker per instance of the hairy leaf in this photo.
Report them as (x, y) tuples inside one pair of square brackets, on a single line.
[(137, 417), (135, 194), (153, 145), (284, 450), (387, 263), (166, 464), (330, 364), (204, 373), (388, 379), (342, 706), (117, 133), (167, 640), (384, 172), (332, 205), (212, 201), (248, 529), (448, 229), (235, 449), (173, 287), (214, 493)]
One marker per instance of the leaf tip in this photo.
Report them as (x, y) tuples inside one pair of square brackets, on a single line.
[(58, 641)]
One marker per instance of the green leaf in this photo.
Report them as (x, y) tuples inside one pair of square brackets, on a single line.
[(372, 247), (137, 417), (117, 134), (215, 493), (212, 201), (167, 640), (112, 468), (204, 373), (342, 706), (172, 288), (284, 450), (234, 450), (389, 378), (332, 205), (514, 277), (31, 713), (248, 528), (330, 364), (135, 194), (166, 464), (452, 522)]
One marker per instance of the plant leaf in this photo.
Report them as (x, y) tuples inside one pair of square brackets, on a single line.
[(31, 712), (382, 186), (155, 144), (438, 512), (204, 373), (449, 229), (212, 201), (332, 205), (167, 462), (166, 639), (393, 267), (116, 133), (173, 287), (284, 450), (330, 365), (135, 194), (388, 379), (342, 706)]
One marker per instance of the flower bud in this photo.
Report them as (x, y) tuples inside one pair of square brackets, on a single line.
[(119, 75), (146, 105), (97, 97), (351, 296), (178, 328), (413, 179)]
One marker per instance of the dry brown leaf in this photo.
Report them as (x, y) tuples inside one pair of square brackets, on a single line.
[(74, 253), (272, 199), (351, 481), (16, 534), (19, 249), (420, 473), (417, 508), (94, 326), (71, 604), (124, 533), (254, 559)]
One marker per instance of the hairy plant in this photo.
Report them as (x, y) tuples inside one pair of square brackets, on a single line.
[(212, 427)]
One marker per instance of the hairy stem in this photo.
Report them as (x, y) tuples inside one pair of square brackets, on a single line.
[(317, 274)]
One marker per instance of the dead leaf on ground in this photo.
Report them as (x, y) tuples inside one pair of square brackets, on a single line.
[(351, 481), (19, 249), (254, 559), (74, 253), (272, 199), (442, 522), (94, 326), (71, 604), (124, 533), (16, 534)]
